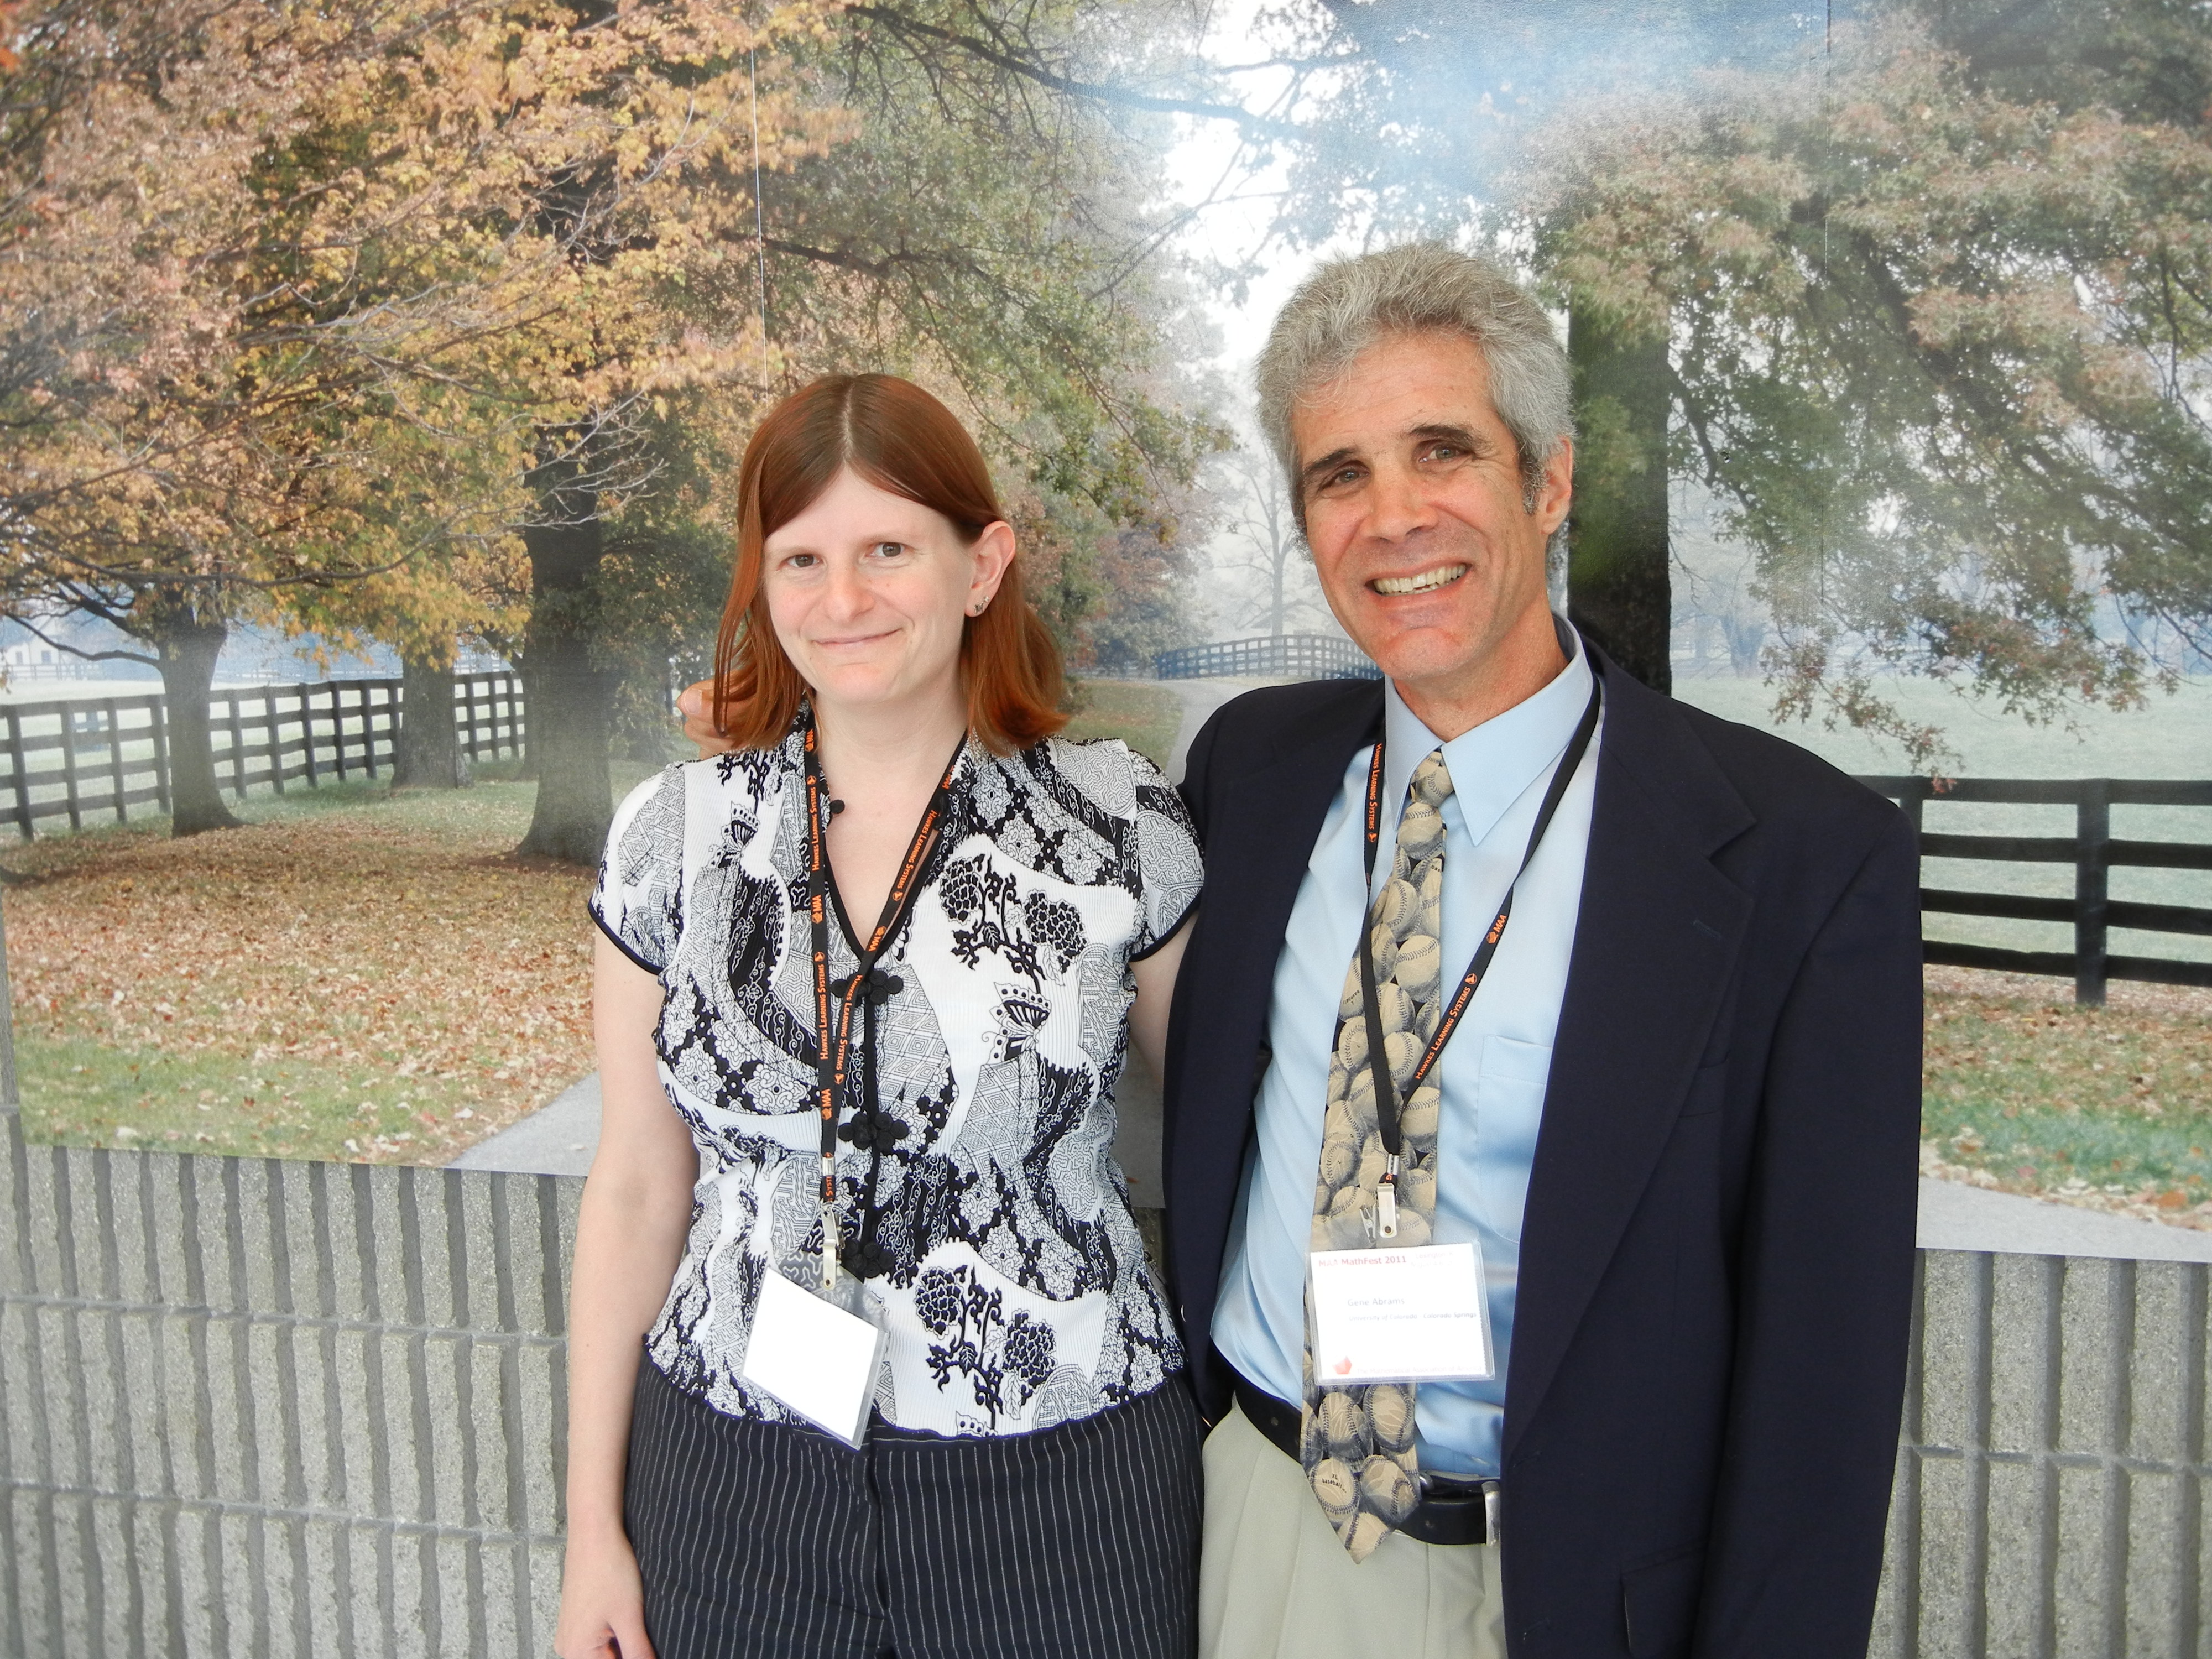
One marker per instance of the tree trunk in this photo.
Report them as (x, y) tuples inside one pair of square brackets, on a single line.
[(565, 697), (428, 751), (525, 753), (1745, 637), (641, 723), (188, 646), (1617, 570)]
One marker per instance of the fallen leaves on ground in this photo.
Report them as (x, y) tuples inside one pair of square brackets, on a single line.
[(379, 984), (2109, 1108)]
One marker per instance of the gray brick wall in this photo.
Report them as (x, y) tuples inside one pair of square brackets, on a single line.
[(2050, 1488), (249, 1407)]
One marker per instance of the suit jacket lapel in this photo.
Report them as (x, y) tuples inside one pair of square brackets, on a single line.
[(1262, 821), (1279, 808), (1655, 943)]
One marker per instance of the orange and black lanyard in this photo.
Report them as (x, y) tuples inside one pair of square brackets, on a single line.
[(867, 989), (1386, 1100)]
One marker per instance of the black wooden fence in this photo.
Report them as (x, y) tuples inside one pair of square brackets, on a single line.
[(71, 756), (2093, 851), (1314, 656), (76, 757)]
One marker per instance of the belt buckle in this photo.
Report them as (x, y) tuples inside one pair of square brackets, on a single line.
[(1445, 1489)]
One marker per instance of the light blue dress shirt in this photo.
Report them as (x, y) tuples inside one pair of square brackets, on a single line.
[(1493, 1072)]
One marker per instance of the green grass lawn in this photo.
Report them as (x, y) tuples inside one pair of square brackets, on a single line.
[(2027, 1091), (1144, 717), (2171, 736), (356, 975)]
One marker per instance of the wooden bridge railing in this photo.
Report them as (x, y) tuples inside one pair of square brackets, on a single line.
[(1313, 656)]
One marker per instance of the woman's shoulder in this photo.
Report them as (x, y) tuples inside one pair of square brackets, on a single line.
[(1107, 772), (648, 803), (748, 774), (665, 801)]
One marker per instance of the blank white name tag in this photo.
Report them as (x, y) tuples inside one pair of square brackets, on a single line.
[(1416, 1316), (818, 1360)]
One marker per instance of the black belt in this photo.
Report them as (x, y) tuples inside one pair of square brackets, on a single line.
[(1450, 1512)]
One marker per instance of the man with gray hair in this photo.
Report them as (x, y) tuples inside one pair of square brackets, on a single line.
[(1542, 1089)]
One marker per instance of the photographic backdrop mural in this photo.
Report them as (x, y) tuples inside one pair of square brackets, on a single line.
[(373, 378), (362, 360)]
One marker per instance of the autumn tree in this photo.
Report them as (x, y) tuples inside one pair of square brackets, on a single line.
[(431, 320), (187, 430), (998, 250), (1940, 327), (1916, 286), (314, 296)]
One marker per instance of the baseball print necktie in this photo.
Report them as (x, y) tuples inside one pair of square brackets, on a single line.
[(1358, 1441)]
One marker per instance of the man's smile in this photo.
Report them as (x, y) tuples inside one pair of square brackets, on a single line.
[(1426, 582)]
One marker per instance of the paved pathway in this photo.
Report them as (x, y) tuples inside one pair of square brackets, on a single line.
[(559, 1139), (1198, 698), (1957, 1218)]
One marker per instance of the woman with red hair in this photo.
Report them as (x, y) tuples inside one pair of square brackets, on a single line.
[(866, 1354)]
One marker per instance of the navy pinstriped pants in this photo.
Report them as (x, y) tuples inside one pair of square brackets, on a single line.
[(761, 1541)]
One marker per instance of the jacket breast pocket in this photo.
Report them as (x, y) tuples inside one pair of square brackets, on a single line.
[(1659, 1601), (1708, 1090), (1509, 1109)]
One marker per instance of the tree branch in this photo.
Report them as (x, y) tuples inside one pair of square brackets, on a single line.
[(38, 633), (1101, 92)]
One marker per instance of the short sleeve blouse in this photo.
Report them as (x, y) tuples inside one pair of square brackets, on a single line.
[(1018, 1294)]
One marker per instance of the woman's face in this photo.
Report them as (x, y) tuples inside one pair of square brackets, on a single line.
[(868, 593)]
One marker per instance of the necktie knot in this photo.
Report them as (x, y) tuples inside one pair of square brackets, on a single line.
[(1421, 827), (1432, 779)]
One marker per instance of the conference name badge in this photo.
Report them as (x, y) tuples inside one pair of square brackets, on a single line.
[(1412, 1315), (814, 1357)]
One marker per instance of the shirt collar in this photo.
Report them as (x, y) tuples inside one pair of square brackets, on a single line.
[(1492, 765)]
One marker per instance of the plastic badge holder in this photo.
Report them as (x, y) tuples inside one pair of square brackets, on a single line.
[(815, 1358)]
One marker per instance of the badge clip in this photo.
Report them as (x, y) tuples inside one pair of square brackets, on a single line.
[(1386, 1202)]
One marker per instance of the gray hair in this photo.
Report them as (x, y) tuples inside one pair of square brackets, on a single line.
[(1415, 287)]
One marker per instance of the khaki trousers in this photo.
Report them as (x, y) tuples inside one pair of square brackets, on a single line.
[(1273, 1583)]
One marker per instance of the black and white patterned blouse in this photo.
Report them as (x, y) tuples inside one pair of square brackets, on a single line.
[(1018, 1294)]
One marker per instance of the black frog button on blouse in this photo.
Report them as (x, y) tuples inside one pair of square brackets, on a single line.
[(1015, 1293)]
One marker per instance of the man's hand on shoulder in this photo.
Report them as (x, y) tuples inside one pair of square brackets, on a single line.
[(697, 706)]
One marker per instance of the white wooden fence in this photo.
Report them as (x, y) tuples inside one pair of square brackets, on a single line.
[(101, 757)]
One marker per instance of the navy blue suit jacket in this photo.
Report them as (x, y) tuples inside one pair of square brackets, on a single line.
[(1716, 1259)]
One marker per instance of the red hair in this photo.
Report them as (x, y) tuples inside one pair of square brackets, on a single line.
[(901, 439)]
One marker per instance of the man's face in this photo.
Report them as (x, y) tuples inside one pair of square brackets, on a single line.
[(1413, 495)]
